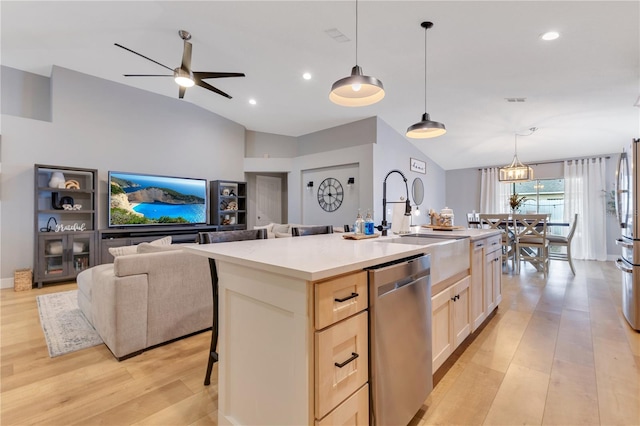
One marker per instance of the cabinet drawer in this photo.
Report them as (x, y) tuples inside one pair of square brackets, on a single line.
[(345, 344), (340, 298), (493, 244), (354, 411)]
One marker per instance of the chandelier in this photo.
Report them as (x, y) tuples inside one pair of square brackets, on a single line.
[(516, 171)]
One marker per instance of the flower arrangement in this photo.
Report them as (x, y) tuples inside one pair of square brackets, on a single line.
[(515, 201)]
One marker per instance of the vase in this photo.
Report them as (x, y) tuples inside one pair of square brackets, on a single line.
[(57, 180)]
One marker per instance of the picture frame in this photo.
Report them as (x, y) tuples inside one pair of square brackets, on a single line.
[(418, 166)]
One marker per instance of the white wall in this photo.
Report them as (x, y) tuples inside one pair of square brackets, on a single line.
[(106, 126), (394, 151)]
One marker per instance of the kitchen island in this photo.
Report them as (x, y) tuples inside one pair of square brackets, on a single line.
[(281, 331)]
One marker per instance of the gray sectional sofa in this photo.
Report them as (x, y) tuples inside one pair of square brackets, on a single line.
[(155, 295)]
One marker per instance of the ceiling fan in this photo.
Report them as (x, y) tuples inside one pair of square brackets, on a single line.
[(183, 75)]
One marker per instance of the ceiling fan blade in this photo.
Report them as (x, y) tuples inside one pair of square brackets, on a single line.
[(149, 59), (186, 56), (181, 91), (203, 75), (148, 75), (210, 87)]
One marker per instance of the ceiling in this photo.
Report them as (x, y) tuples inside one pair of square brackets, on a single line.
[(579, 90)]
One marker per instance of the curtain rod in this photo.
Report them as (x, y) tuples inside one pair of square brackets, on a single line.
[(552, 161)]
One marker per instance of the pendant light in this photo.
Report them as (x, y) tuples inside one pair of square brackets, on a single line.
[(426, 128), (516, 171), (357, 89)]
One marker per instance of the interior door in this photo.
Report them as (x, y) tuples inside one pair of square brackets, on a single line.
[(268, 200)]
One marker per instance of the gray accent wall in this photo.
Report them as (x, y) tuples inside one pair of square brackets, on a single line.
[(25, 94), (106, 126)]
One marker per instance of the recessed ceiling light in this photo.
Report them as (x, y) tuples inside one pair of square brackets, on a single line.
[(252, 101), (550, 35), (306, 76)]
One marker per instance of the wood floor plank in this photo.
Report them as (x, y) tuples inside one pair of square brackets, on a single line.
[(520, 398)]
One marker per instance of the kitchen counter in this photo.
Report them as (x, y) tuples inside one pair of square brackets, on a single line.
[(327, 255), (268, 347)]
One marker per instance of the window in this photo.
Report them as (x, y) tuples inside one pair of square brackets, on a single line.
[(542, 196)]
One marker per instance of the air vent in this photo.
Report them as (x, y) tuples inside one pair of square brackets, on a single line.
[(515, 99), (335, 34)]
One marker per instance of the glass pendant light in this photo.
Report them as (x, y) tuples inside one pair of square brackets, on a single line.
[(357, 89), (426, 128)]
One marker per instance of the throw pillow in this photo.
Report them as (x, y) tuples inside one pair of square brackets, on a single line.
[(155, 248), (125, 250), (122, 251), (269, 229), (164, 241), (281, 228)]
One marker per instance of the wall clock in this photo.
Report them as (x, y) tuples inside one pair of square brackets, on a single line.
[(330, 194)]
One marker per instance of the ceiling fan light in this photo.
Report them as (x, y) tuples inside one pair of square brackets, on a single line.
[(183, 78), (357, 89), (426, 129)]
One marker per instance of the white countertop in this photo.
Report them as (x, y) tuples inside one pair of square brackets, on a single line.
[(318, 257)]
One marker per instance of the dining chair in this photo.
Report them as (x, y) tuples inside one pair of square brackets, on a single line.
[(563, 241), (222, 237), (302, 231), (473, 221), (501, 223), (531, 244)]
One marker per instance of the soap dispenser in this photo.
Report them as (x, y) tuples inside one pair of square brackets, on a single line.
[(358, 227), (368, 224)]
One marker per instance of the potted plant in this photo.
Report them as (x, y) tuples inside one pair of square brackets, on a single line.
[(516, 201)]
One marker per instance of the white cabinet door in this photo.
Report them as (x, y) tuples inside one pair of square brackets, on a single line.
[(461, 316), (476, 289), (442, 332)]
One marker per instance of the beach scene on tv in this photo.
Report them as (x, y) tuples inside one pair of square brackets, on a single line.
[(137, 199)]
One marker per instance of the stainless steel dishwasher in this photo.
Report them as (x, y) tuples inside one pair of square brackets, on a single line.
[(400, 339)]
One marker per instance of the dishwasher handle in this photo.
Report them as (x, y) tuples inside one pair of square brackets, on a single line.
[(394, 286)]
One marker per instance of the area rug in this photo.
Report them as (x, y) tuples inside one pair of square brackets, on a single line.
[(65, 327)]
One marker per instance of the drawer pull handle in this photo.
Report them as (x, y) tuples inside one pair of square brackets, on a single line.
[(342, 364), (344, 299)]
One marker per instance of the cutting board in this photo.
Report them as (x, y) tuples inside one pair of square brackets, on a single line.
[(352, 236), (443, 228)]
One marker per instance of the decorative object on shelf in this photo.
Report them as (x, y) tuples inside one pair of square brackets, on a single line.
[(72, 184), (232, 193), (50, 227), (418, 166), (58, 202), (357, 89), (426, 128), (225, 192), (76, 227), (330, 194), (516, 171), (232, 220), (232, 205), (57, 180)]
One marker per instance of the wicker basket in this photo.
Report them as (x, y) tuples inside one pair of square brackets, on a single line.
[(22, 280)]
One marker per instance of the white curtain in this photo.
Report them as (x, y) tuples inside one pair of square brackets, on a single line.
[(584, 193), (494, 195)]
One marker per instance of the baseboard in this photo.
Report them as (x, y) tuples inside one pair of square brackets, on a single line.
[(6, 282)]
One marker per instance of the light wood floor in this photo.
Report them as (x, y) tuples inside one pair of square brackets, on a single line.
[(556, 352)]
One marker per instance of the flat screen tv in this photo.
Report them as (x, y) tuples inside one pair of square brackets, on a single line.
[(140, 199)]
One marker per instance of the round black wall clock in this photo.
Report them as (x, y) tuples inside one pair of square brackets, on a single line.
[(330, 194)]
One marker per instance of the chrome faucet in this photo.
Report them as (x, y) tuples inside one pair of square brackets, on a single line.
[(407, 212)]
